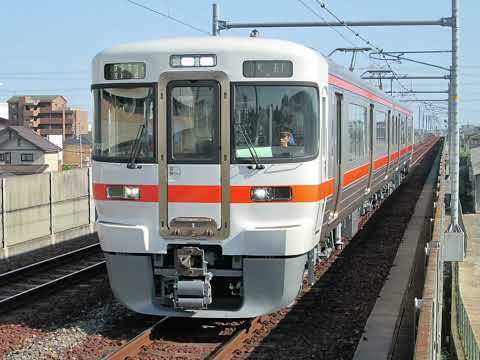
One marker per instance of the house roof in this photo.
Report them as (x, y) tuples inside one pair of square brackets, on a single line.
[(475, 159), (8, 170), (16, 98), (34, 138), (86, 140)]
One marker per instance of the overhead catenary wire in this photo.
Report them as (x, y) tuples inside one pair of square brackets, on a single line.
[(167, 16), (366, 41), (317, 14)]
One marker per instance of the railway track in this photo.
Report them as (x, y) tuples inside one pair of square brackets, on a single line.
[(26, 283), (214, 340)]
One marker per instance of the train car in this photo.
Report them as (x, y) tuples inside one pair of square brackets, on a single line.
[(224, 168)]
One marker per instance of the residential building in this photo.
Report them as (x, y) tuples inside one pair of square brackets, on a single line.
[(24, 152), (47, 115), (77, 151), (4, 110)]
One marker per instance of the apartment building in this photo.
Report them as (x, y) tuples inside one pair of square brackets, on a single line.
[(47, 115)]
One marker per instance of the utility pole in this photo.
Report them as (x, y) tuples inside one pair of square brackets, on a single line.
[(454, 128), (215, 26)]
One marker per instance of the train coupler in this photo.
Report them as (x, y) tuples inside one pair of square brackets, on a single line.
[(192, 289)]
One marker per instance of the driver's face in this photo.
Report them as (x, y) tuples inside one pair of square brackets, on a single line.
[(284, 141)]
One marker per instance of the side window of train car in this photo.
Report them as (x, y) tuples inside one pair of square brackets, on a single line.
[(402, 129), (324, 127), (357, 131), (381, 128)]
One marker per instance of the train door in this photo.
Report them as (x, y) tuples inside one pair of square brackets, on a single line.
[(338, 151), (194, 157), (400, 137), (389, 140), (371, 135)]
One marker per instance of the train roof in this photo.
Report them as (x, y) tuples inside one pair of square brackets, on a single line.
[(209, 44), (228, 46)]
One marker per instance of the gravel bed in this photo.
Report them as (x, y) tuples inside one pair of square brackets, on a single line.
[(17, 261)]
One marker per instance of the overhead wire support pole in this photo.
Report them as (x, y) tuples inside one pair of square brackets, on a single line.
[(454, 128), (421, 92), (215, 29), (407, 77), (226, 25), (423, 100)]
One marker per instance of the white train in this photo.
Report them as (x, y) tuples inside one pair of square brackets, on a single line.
[(224, 168)]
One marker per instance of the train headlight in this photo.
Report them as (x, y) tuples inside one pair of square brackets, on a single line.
[(261, 194), (131, 192), (123, 192), (193, 60), (276, 193)]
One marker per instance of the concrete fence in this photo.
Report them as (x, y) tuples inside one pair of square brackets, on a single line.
[(37, 210)]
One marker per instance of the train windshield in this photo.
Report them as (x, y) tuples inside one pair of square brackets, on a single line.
[(122, 117), (279, 122)]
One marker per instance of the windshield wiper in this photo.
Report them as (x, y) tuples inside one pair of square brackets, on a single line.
[(251, 149), (136, 148)]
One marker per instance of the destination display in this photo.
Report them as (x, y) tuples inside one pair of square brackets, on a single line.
[(267, 68)]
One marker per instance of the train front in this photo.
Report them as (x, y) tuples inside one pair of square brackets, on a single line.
[(209, 180)]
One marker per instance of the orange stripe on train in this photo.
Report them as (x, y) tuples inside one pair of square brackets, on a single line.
[(212, 193)]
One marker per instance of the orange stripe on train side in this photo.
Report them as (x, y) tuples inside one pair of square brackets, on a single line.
[(300, 193), (355, 174), (380, 163)]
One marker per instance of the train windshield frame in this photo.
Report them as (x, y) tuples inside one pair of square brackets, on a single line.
[(124, 113), (280, 121)]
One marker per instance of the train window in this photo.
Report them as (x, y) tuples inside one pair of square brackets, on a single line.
[(357, 131), (193, 124), (123, 115), (280, 122), (381, 128)]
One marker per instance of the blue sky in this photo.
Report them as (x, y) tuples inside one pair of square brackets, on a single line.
[(48, 48)]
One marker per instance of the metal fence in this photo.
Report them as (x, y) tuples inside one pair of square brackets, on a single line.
[(470, 345), (44, 205)]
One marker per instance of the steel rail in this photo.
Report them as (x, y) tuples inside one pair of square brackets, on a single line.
[(132, 347), (227, 350), (7, 276), (7, 303), (32, 273)]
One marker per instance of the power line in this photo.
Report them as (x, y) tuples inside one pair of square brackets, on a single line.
[(169, 17), (325, 20), (14, 73), (367, 42)]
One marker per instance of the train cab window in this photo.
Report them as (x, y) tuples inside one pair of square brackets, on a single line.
[(277, 122), (123, 117), (357, 131), (193, 122)]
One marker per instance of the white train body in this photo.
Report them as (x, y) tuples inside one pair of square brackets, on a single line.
[(202, 211)]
